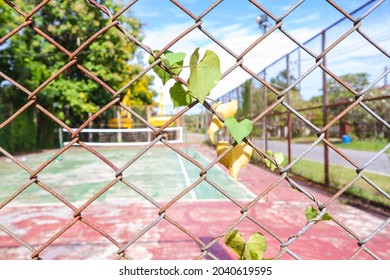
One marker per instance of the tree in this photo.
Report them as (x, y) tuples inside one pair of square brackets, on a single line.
[(338, 93), (252, 99), (281, 82), (252, 102), (30, 59), (362, 123)]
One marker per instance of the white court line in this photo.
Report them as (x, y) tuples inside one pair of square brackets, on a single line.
[(186, 177)]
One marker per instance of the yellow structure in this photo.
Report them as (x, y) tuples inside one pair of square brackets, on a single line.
[(161, 118), (123, 119)]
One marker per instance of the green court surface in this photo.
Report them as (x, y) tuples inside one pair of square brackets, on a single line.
[(78, 175)]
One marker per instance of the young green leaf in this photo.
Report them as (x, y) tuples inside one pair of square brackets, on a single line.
[(326, 217), (175, 61), (235, 242), (205, 75), (279, 158), (180, 96), (239, 130), (161, 73), (174, 58), (255, 247), (311, 213)]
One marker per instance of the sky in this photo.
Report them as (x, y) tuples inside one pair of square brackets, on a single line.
[(233, 22)]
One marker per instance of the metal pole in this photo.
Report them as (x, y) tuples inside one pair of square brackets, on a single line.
[(265, 134), (264, 24), (250, 103), (250, 99), (299, 68), (289, 132), (325, 112)]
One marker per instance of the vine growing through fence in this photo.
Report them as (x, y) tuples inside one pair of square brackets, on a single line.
[(204, 75)]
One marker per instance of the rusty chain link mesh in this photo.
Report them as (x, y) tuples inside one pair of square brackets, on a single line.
[(124, 250)]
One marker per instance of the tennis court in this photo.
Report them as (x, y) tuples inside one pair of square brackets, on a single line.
[(52, 228), (35, 215), (77, 175)]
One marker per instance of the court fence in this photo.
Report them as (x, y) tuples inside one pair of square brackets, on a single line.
[(316, 58), (330, 94), (294, 75)]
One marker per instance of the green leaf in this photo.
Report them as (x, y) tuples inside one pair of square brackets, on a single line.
[(161, 73), (179, 95), (279, 158), (311, 213), (194, 58), (239, 130), (326, 217), (235, 242), (205, 75), (255, 247), (174, 58), (175, 61)]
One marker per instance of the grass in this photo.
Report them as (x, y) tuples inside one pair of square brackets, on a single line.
[(372, 145), (341, 176)]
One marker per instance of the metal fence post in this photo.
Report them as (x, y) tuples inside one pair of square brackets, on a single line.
[(289, 134), (325, 111), (265, 135)]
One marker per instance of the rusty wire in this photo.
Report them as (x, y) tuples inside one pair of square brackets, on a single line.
[(123, 249)]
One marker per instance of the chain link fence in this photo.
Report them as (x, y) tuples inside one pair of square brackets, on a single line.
[(332, 94), (280, 97)]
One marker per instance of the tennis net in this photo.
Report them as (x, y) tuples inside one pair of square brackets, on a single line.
[(121, 136)]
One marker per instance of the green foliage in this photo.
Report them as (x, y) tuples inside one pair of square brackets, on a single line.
[(340, 176), (371, 144), (30, 59), (173, 62), (180, 96), (238, 130), (312, 213), (361, 124), (279, 158), (22, 131), (204, 75), (254, 102), (253, 249), (246, 107)]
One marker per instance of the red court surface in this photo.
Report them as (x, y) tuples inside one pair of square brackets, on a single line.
[(283, 213)]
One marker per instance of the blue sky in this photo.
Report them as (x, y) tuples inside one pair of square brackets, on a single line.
[(233, 22)]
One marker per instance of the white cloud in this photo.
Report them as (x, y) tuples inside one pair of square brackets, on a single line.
[(237, 38), (306, 19)]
